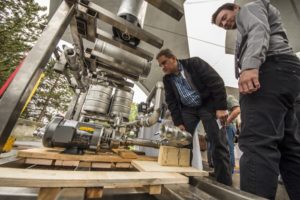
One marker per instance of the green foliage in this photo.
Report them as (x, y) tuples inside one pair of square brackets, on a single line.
[(133, 112), (20, 22), (52, 97)]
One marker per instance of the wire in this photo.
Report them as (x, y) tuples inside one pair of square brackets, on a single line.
[(194, 38)]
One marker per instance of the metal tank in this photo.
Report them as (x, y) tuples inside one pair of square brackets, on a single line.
[(121, 103), (127, 62), (98, 99)]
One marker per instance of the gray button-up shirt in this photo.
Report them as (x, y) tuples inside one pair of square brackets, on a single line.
[(261, 33)]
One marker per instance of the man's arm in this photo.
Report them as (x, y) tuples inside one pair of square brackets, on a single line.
[(172, 103), (233, 115), (215, 84), (233, 107), (253, 20)]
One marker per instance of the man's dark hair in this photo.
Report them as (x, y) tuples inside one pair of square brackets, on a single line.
[(226, 6), (166, 52)]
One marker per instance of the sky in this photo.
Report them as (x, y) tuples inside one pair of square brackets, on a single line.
[(204, 40)]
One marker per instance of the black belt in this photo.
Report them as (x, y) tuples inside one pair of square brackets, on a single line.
[(283, 57)]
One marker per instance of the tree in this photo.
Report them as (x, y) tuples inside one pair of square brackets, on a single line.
[(133, 112), (20, 22), (52, 97)]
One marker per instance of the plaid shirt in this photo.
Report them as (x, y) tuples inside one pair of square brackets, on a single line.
[(188, 96)]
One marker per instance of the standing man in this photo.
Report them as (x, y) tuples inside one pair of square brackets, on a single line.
[(234, 111), (269, 82), (195, 91), (233, 107)]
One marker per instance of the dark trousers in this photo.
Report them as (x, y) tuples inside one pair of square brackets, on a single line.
[(269, 138), (191, 117)]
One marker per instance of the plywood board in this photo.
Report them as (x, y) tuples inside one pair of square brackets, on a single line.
[(12, 177), (151, 166), (55, 154)]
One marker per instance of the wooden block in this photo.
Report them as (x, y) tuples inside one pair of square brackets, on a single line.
[(102, 165), (48, 193), (85, 165), (58, 163), (184, 157), (38, 161), (94, 193), (123, 165), (172, 156), (154, 189)]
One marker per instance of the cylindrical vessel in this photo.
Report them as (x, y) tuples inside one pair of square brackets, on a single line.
[(98, 99), (121, 103), (133, 11), (134, 64), (136, 9)]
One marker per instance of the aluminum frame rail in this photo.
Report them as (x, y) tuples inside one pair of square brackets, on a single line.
[(20, 88)]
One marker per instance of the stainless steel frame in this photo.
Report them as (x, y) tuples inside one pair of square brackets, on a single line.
[(122, 24)]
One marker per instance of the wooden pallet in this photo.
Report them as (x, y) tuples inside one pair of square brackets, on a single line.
[(118, 158), (52, 182)]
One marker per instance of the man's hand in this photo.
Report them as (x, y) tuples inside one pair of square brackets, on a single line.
[(248, 81), (222, 116), (181, 127)]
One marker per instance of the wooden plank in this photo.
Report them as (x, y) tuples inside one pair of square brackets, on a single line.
[(55, 154), (123, 165), (124, 153), (154, 189), (48, 193), (36, 161), (150, 166), (103, 165), (70, 163), (94, 193), (12, 177)]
